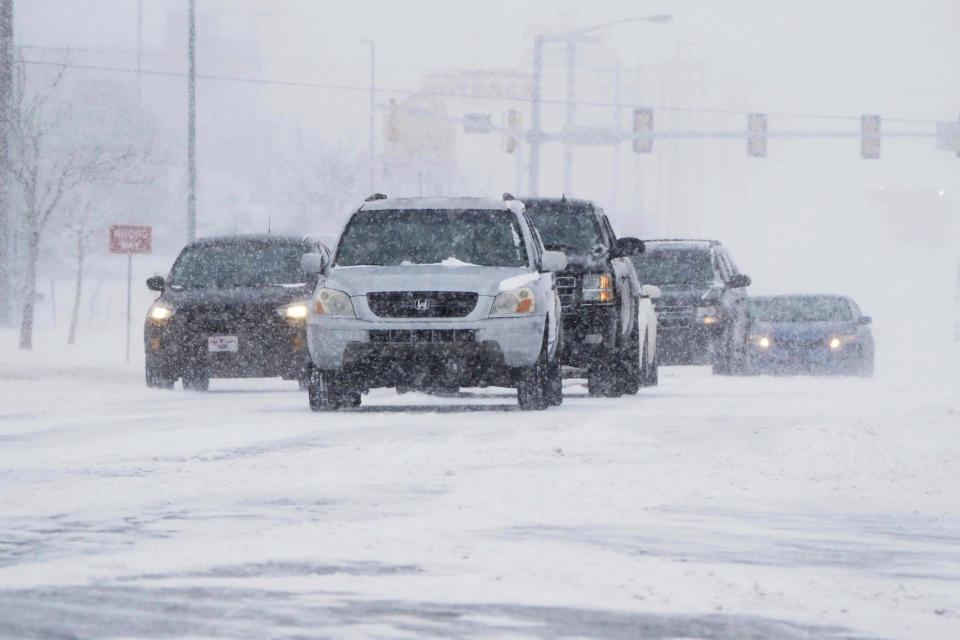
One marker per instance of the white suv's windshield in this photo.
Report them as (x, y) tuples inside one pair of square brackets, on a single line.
[(432, 236)]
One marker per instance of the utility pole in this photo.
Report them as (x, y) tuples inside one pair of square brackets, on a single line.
[(139, 56), (535, 114), (373, 92), (616, 130), (7, 212), (571, 115), (192, 124)]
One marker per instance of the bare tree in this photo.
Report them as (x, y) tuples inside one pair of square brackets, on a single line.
[(48, 157), (82, 227)]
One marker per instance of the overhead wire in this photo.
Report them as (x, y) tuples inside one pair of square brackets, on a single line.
[(382, 90)]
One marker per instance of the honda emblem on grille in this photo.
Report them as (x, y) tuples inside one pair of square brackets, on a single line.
[(423, 304)]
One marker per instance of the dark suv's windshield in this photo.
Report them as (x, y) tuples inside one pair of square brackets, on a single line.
[(564, 227), (675, 265), (432, 236), (800, 309), (237, 264)]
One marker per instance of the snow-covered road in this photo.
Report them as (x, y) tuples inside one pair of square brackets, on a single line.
[(707, 507)]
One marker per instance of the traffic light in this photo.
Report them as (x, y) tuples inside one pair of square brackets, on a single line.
[(514, 122), (642, 130), (756, 135), (869, 137)]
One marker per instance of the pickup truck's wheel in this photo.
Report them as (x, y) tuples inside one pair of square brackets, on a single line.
[(554, 388), (533, 385), (324, 392)]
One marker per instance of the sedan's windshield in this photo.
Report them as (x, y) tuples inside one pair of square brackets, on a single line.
[(237, 264), (432, 236), (562, 227), (674, 266), (800, 309)]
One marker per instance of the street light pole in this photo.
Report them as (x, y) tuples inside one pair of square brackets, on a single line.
[(535, 112), (192, 124), (571, 38), (373, 92), (571, 115)]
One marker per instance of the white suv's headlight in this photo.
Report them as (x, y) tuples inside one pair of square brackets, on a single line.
[(513, 302), (597, 287), (160, 312), (330, 302), (294, 311)]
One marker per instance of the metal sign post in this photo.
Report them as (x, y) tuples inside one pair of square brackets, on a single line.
[(130, 239)]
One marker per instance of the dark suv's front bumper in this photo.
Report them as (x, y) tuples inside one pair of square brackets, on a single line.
[(268, 348), (682, 338)]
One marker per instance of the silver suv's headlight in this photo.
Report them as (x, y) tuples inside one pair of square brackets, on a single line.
[(513, 302), (330, 302), (597, 287), (294, 311)]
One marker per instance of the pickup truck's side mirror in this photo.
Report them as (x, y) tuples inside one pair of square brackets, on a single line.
[(554, 261), (651, 291), (738, 281), (628, 248), (864, 320), (313, 263), (155, 283)]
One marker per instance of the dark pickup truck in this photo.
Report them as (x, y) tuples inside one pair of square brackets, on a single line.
[(604, 329)]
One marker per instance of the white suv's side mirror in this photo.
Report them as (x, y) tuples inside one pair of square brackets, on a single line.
[(554, 261), (313, 263), (650, 291)]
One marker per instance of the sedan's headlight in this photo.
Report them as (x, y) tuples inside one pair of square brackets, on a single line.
[(513, 302), (160, 312), (839, 341), (295, 311), (597, 287), (330, 302), (761, 341)]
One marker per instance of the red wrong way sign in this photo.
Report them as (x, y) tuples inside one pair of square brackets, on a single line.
[(130, 238)]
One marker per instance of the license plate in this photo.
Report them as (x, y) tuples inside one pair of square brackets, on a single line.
[(221, 344)]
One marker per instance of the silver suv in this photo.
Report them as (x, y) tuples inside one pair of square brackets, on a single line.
[(428, 293)]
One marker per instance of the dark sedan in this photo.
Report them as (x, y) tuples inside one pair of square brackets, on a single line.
[(232, 307), (809, 334)]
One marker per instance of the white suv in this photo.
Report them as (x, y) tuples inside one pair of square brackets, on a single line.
[(427, 293)]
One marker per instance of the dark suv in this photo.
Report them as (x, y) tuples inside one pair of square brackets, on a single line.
[(702, 309), (232, 307), (599, 293)]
